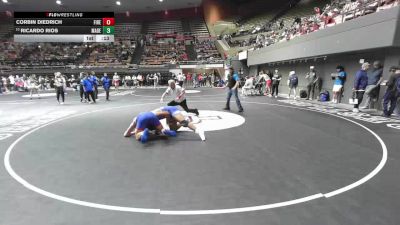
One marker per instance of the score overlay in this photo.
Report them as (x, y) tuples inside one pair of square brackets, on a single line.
[(64, 26)]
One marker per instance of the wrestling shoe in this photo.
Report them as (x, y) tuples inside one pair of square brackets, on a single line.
[(145, 136), (196, 112), (170, 133), (200, 132)]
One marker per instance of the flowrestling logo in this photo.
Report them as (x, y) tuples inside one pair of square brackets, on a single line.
[(19, 123), (390, 122)]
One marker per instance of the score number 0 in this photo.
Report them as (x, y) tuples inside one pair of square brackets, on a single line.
[(108, 21)]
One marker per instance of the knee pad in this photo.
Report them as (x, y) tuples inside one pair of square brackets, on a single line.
[(185, 123)]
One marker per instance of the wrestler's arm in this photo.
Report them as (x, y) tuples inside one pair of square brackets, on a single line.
[(131, 129)]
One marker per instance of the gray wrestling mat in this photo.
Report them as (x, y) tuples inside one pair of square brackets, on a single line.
[(281, 162)]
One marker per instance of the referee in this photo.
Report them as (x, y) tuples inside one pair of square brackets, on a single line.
[(178, 95)]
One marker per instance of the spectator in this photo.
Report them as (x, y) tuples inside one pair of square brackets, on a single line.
[(106, 81), (327, 19), (312, 79), (1, 85), (375, 79), (276, 79), (95, 82), (233, 85), (33, 85), (392, 93), (181, 79), (116, 81), (360, 83), (60, 84), (293, 81), (340, 78), (11, 78), (88, 88), (81, 91)]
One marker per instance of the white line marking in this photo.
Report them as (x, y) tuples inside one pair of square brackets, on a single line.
[(244, 209), (193, 212)]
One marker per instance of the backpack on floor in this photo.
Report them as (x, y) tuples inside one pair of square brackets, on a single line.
[(303, 94), (324, 96)]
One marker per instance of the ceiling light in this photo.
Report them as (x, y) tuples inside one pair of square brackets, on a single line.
[(160, 0), (5, 1), (118, 2), (58, 2)]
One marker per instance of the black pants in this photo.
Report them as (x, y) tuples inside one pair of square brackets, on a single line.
[(81, 92), (183, 104), (181, 83), (96, 91), (311, 88), (389, 103), (90, 94), (359, 96), (275, 89), (60, 91), (107, 90)]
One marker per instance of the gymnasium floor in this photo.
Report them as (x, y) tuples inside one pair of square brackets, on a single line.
[(281, 162)]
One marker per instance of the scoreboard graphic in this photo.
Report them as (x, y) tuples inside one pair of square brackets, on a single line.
[(64, 26)]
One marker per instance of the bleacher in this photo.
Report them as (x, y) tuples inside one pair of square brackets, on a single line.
[(306, 17), (128, 31), (112, 54), (302, 9), (206, 49), (172, 26), (163, 51), (199, 28), (6, 29)]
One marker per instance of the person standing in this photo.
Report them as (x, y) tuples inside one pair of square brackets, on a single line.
[(33, 86), (89, 89), (59, 84), (6, 84), (128, 82), (181, 79), (212, 77), (116, 81), (276, 79), (188, 79), (106, 81), (194, 78), (340, 78), (11, 78), (360, 83), (155, 81), (73, 82), (178, 95), (268, 84), (1, 85), (293, 81), (92, 78), (393, 92), (140, 80), (233, 85), (375, 79), (81, 91), (312, 79)]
